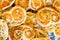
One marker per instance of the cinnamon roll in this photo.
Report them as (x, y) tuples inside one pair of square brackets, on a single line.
[(17, 15), (47, 16), (16, 33)]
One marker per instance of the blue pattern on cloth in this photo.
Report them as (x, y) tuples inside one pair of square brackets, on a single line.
[(58, 38), (51, 35)]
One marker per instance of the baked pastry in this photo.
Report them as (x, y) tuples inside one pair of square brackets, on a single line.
[(40, 35), (16, 33), (5, 4), (7, 16), (23, 3), (56, 4), (30, 20), (47, 16), (28, 32), (36, 4), (17, 15), (57, 30), (3, 30)]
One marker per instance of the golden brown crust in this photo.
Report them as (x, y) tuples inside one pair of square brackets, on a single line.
[(17, 15), (28, 33), (56, 4), (40, 35), (22, 3), (30, 20), (47, 16), (57, 30), (5, 4), (36, 4), (7, 16), (16, 33)]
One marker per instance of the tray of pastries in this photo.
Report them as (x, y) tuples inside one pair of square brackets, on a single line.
[(29, 19)]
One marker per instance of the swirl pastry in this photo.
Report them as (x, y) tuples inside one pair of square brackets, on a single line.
[(28, 32), (47, 16), (5, 4), (40, 35), (17, 15), (56, 4), (3, 30), (16, 33), (23, 3), (36, 4)]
